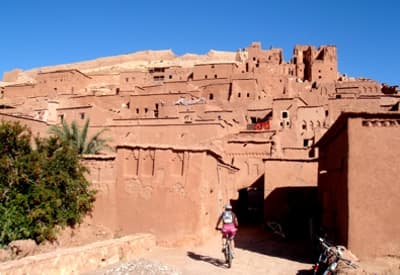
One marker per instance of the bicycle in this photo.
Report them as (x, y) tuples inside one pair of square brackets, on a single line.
[(227, 248), (329, 259)]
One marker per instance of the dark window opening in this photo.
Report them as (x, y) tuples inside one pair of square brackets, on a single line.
[(281, 123), (117, 91), (304, 126), (156, 113), (61, 117), (319, 77), (210, 96), (247, 67), (254, 59), (82, 115), (190, 77), (285, 114), (305, 143), (156, 106), (170, 76), (212, 66), (248, 94), (127, 79), (239, 94), (326, 112), (253, 119), (338, 96), (158, 78), (215, 76), (137, 110), (257, 65), (206, 76), (146, 110)]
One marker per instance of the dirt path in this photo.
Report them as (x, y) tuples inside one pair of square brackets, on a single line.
[(256, 253)]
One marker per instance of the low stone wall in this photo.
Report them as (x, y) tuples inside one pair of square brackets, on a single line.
[(83, 258)]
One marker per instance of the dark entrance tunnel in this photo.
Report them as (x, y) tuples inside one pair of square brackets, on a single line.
[(250, 204), (295, 208)]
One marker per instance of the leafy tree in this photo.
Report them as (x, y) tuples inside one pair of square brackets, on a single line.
[(39, 188), (78, 138)]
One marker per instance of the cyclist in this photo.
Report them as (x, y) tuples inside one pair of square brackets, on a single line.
[(229, 224)]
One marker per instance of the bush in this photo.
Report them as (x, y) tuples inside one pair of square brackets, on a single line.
[(39, 188)]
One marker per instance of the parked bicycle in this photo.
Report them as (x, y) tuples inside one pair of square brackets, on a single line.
[(329, 259)]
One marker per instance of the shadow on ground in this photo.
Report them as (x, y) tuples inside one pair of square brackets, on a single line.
[(207, 259), (255, 239)]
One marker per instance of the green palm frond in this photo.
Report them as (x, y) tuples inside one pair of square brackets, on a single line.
[(78, 138)]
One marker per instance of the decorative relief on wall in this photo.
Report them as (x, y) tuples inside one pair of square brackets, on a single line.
[(132, 163), (380, 122), (147, 162), (135, 186), (177, 163)]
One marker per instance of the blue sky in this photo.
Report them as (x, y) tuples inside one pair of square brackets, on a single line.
[(42, 32)]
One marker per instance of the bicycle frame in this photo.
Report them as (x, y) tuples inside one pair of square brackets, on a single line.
[(228, 250)]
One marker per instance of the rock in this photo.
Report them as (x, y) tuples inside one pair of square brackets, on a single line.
[(5, 255), (22, 248)]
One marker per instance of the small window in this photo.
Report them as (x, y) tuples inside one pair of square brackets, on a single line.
[(212, 66), (215, 76), (146, 110), (254, 59), (137, 110), (127, 79), (205, 76), (326, 112), (239, 95), (248, 94), (285, 114), (210, 96), (170, 76), (61, 117), (305, 143), (82, 115)]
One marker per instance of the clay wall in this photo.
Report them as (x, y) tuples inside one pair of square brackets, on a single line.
[(177, 74), (212, 71), (324, 65), (130, 79), (152, 182), (11, 76), (309, 125), (374, 192), (102, 175), (172, 132), (336, 106), (104, 79), (77, 113), (38, 127), (21, 90), (244, 89), (218, 93), (62, 82)]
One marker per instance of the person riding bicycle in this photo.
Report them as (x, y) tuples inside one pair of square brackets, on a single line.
[(229, 224)]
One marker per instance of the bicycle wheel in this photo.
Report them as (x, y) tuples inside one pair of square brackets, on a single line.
[(228, 255)]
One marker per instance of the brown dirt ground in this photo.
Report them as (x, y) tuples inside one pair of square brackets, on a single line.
[(257, 252)]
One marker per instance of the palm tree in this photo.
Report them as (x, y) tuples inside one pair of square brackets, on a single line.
[(76, 137)]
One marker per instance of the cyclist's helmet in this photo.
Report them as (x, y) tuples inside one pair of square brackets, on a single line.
[(228, 206)]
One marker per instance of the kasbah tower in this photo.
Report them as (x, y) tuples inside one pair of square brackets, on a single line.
[(294, 142)]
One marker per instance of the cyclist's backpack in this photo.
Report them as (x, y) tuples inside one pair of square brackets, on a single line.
[(227, 217)]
